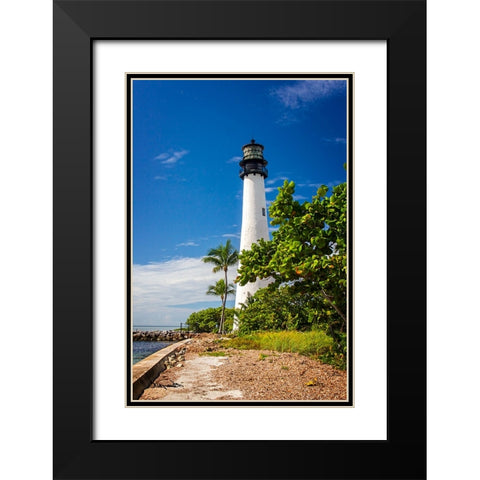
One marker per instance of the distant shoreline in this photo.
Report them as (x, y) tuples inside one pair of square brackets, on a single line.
[(151, 328)]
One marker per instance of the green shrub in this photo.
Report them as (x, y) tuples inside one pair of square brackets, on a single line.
[(286, 308), (293, 308), (206, 321)]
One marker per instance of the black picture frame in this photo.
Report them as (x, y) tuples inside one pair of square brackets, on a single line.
[(77, 24)]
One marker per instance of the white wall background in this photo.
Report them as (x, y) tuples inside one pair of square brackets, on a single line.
[(453, 237)]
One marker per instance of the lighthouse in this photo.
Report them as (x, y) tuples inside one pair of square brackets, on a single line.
[(254, 212)]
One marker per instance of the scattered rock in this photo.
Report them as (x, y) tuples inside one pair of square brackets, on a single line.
[(161, 335)]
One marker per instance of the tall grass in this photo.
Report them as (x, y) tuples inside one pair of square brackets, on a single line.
[(314, 343)]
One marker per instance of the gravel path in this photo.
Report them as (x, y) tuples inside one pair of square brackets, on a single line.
[(197, 382), (210, 372)]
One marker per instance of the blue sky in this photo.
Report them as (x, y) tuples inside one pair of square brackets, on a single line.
[(187, 195)]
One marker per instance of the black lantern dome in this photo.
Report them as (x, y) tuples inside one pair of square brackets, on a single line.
[(253, 161)]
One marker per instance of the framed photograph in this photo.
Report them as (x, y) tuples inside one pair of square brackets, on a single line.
[(166, 115), (214, 200)]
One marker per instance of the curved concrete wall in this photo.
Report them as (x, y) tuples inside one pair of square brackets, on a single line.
[(147, 370)]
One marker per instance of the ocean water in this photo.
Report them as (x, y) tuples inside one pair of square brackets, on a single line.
[(142, 350)]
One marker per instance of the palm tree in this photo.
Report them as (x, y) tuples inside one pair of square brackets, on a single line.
[(219, 290), (222, 257)]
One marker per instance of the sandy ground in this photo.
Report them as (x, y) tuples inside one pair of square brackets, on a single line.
[(198, 382), (211, 373)]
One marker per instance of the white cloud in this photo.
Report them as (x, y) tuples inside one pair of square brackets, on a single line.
[(234, 159), (304, 92), (334, 183), (232, 235), (187, 244), (314, 185), (339, 140), (172, 157), (287, 118), (160, 177), (299, 197), (275, 180), (270, 189), (162, 156), (160, 289)]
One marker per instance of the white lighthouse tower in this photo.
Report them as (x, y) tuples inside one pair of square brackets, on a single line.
[(254, 212)]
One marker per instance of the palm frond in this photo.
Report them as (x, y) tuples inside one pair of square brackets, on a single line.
[(222, 256)]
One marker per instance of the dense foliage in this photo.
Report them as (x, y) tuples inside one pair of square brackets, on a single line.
[(307, 260), (208, 320), (287, 307)]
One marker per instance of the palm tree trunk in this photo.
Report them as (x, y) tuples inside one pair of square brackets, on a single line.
[(221, 328), (221, 315), (222, 318)]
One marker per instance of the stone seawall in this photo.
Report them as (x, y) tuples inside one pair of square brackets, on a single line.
[(161, 336), (147, 370)]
